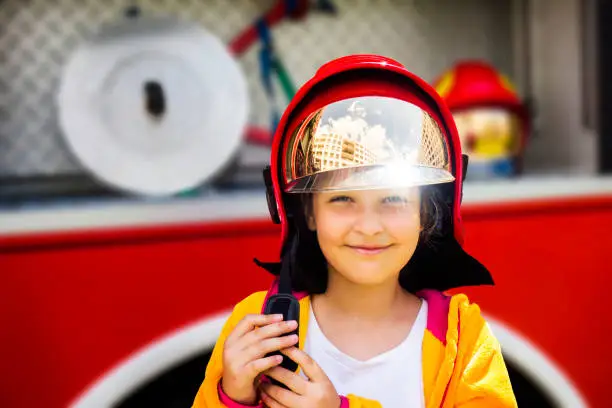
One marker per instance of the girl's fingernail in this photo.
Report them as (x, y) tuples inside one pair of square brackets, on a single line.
[(277, 317)]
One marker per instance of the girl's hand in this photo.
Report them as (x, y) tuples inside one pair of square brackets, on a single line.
[(244, 353), (316, 392)]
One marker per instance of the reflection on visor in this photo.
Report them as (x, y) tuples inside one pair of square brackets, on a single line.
[(366, 143)]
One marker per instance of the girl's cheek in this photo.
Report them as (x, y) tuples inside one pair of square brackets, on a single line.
[(334, 222), (402, 222)]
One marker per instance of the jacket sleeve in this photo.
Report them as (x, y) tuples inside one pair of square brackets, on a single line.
[(208, 394), (485, 381)]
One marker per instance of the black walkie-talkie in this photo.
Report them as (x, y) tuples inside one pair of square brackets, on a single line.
[(286, 304)]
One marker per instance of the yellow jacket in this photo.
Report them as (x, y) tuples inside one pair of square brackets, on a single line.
[(462, 361)]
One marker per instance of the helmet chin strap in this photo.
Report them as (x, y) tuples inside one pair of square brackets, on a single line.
[(465, 159), (284, 279)]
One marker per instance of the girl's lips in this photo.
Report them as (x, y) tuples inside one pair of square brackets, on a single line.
[(369, 250)]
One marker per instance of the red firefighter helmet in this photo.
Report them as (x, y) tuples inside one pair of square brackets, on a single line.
[(365, 121)]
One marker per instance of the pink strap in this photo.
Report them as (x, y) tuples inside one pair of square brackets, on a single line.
[(344, 402), (230, 403)]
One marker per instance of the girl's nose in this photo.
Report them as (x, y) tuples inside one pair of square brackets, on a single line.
[(368, 222)]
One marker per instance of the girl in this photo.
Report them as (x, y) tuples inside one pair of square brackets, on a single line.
[(366, 181)]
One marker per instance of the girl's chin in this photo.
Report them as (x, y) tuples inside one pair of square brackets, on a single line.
[(368, 275)]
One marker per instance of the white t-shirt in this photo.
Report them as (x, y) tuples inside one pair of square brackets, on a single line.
[(393, 378)]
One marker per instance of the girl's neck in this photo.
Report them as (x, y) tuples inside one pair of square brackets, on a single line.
[(365, 302)]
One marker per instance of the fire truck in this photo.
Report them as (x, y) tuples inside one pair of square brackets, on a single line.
[(119, 305)]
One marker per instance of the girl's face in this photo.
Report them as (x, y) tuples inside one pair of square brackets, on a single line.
[(367, 236)]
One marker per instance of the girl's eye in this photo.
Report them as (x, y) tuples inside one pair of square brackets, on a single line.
[(395, 200), (340, 199)]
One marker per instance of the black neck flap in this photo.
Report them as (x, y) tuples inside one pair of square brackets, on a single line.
[(442, 268)]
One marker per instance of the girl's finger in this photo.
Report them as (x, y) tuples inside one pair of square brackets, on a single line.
[(271, 402), (260, 349), (250, 322), (283, 397), (292, 380), (254, 368), (310, 368), (271, 330)]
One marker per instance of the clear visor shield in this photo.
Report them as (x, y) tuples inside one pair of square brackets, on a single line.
[(366, 143)]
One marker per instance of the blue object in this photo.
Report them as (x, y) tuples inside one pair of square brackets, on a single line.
[(266, 64), (494, 169)]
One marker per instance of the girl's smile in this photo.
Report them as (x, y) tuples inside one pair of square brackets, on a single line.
[(369, 250)]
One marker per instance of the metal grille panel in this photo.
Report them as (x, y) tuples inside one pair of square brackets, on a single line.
[(37, 37)]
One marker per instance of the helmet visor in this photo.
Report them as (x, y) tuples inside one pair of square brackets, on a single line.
[(366, 143)]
